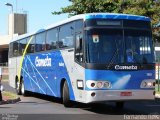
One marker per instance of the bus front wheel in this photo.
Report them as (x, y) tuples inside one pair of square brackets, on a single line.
[(22, 89), (66, 96)]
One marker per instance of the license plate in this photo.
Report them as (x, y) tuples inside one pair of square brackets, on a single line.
[(126, 93)]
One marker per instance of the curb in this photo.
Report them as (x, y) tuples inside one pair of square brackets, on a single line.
[(12, 101)]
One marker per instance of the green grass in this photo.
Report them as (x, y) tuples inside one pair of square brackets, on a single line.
[(157, 92), (5, 77), (9, 95)]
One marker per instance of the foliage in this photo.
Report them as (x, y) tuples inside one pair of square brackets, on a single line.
[(150, 8)]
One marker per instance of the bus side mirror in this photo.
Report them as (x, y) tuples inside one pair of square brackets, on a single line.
[(79, 52), (79, 43)]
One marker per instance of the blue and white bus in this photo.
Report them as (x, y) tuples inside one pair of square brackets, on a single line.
[(87, 58)]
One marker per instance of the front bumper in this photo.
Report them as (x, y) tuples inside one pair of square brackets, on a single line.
[(115, 95)]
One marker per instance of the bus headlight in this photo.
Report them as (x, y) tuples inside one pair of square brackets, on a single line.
[(98, 84), (107, 84), (149, 84)]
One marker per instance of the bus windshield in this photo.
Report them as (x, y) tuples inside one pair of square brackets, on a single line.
[(117, 46)]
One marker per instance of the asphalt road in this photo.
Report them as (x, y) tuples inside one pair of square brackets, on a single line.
[(45, 107)]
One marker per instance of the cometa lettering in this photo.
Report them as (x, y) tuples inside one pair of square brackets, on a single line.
[(47, 62), (132, 67)]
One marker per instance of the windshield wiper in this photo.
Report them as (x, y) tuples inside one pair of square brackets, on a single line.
[(111, 61), (113, 57)]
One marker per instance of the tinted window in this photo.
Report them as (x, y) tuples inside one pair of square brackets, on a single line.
[(110, 46), (79, 25), (51, 39), (118, 23), (139, 46), (40, 42), (11, 50), (137, 24), (105, 46), (15, 48), (66, 36), (22, 45), (103, 23), (31, 47)]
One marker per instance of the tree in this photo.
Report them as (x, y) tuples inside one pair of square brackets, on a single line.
[(150, 8)]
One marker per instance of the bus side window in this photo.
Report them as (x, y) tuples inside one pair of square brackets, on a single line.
[(31, 47), (79, 48), (11, 50), (15, 48), (22, 45), (40, 42), (51, 39), (66, 35), (78, 26)]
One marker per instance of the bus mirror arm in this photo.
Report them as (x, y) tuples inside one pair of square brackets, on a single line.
[(70, 50)]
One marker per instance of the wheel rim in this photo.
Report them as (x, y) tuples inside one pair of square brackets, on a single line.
[(22, 88)]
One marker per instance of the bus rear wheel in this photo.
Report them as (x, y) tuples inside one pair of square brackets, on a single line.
[(66, 96), (17, 87)]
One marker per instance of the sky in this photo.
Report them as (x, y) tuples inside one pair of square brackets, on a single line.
[(39, 13)]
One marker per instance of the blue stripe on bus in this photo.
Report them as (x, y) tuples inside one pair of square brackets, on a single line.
[(117, 16), (45, 77), (120, 80)]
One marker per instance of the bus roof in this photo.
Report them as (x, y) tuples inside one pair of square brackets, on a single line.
[(86, 17), (116, 16)]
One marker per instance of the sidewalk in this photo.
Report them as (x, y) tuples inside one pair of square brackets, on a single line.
[(8, 100)]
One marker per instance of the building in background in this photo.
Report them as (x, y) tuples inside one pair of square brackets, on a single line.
[(17, 25)]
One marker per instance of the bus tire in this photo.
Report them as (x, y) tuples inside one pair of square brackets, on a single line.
[(22, 89), (17, 87), (66, 96), (120, 105)]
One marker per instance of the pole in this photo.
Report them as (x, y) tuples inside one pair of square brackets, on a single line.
[(12, 23), (0, 84), (16, 6), (9, 4)]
